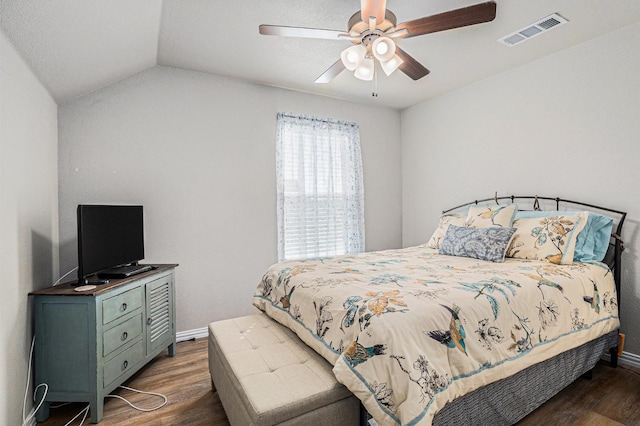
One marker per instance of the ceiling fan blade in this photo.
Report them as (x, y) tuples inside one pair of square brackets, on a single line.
[(476, 14), (369, 8), (410, 66), (279, 30), (332, 72), (396, 33)]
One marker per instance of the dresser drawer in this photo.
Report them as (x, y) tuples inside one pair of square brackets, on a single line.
[(123, 363), (117, 306), (126, 332)]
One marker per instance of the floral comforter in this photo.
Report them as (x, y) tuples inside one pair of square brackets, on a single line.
[(409, 330)]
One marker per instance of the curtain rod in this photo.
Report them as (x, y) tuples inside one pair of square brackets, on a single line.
[(323, 120)]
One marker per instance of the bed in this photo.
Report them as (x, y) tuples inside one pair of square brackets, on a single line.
[(512, 299)]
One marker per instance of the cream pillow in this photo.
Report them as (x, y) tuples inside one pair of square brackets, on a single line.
[(445, 220), (551, 238), (484, 217)]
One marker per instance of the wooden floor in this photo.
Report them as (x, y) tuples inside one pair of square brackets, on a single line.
[(612, 397)]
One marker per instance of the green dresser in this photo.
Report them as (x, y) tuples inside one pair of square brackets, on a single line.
[(88, 343)]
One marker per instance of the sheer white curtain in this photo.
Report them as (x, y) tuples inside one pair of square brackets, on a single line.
[(320, 190)]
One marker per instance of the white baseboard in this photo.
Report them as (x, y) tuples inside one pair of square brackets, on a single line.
[(630, 359), (627, 358), (198, 333)]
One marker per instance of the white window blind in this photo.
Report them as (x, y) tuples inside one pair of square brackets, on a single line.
[(320, 191)]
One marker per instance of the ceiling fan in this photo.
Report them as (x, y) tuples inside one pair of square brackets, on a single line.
[(374, 30)]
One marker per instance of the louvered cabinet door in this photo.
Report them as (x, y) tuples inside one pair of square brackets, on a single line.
[(160, 315)]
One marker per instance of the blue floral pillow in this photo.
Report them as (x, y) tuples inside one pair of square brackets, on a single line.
[(482, 243)]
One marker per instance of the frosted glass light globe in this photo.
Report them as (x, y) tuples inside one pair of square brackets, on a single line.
[(353, 56), (383, 48)]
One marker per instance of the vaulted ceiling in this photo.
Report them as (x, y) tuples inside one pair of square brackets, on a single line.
[(77, 46)]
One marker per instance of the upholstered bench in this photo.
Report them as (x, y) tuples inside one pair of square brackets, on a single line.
[(265, 375)]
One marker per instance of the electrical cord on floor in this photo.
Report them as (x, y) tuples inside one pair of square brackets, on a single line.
[(144, 392), (85, 410)]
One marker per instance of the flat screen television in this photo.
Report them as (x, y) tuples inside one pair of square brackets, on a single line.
[(110, 237)]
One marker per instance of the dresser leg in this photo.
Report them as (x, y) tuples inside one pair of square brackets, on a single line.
[(172, 349), (97, 410)]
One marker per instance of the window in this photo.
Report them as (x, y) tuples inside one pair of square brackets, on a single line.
[(319, 184)]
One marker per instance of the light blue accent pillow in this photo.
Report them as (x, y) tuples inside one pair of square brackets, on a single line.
[(482, 243), (593, 240)]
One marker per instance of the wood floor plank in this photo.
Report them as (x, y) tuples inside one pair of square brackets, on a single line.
[(611, 398), (623, 400), (595, 419)]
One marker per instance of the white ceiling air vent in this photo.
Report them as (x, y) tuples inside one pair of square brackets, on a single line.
[(544, 24)]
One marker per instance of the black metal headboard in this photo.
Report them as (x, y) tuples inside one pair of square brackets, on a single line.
[(616, 245)]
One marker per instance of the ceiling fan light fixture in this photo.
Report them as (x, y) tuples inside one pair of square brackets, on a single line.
[(383, 48), (365, 70), (375, 25), (391, 65), (353, 56)]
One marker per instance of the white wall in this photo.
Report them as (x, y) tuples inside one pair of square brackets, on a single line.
[(28, 216), (567, 125), (198, 151)]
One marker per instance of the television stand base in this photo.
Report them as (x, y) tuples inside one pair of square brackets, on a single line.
[(124, 271)]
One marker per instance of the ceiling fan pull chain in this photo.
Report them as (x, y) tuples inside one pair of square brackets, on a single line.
[(375, 82)]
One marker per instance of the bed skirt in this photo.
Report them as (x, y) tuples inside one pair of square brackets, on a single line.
[(509, 400)]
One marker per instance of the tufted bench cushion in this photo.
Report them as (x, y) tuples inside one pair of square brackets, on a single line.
[(265, 375)]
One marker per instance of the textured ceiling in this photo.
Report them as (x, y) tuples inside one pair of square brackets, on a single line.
[(77, 46)]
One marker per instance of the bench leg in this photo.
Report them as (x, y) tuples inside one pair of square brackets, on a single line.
[(364, 418), (213, 386)]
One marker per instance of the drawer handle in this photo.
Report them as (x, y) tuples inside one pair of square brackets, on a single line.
[(125, 364), (149, 321), (125, 335), (124, 307)]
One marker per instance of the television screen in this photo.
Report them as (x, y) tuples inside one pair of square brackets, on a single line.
[(108, 237)]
